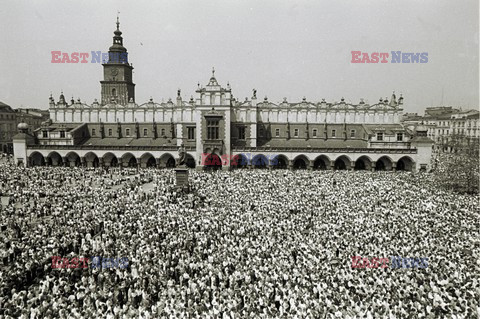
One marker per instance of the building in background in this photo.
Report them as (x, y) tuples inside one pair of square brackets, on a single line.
[(9, 120), (452, 129), (33, 117), (215, 127), (8, 128)]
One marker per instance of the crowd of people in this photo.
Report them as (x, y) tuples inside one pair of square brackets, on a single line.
[(240, 244)]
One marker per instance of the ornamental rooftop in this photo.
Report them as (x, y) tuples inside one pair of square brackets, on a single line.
[(117, 131)]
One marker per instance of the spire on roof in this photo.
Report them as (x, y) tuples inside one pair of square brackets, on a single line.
[(393, 100), (213, 81), (61, 100), (117, 39), (118, 22)]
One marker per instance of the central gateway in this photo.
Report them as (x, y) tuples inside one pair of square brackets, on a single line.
[(213, 116)]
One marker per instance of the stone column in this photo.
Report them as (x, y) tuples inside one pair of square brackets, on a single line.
[(394, 166), (310, 165), (290, 165), (374, 164)]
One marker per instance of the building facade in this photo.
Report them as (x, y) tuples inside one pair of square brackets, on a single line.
[(8, 128), (215, 129), (10, 118), (451, 129), (33, 117)]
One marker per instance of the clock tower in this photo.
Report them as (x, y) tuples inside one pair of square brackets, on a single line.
[(117, 85)]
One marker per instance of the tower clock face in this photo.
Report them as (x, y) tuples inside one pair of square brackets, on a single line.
[(114, 71)]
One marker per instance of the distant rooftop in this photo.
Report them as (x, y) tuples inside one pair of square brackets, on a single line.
[(5, 108)]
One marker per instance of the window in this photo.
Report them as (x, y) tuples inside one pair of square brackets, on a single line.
[(277, 132), (45, 134), (62, 134), (379, 136), (93, 132), (145, 132), (399, 137), (191, 133), (314, 132), (295, 132), (352, 133), (127, 132), (334, 133), (212, 129), (163, 132), (241, 133), (110, 132), (261, 132), (114, 92)]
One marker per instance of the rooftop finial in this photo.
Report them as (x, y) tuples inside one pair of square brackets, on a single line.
[(213, 71), (118, 21)]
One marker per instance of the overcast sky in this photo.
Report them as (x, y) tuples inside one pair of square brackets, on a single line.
[(282, 48)]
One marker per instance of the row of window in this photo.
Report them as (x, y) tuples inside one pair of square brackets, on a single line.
[(7, 116), (380, 136), (241, 133), (213, 132), (462, 124), (45, 134), (333, 133), (127, 132)]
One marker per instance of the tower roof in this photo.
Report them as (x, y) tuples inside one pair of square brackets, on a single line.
[(117, 40)]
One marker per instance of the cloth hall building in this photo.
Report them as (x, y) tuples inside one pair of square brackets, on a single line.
[(215, 129)]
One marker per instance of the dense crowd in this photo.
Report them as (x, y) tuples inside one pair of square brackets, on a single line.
[(241, 244)]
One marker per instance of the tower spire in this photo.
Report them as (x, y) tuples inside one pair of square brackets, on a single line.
[(118, 21), (117, 46)]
